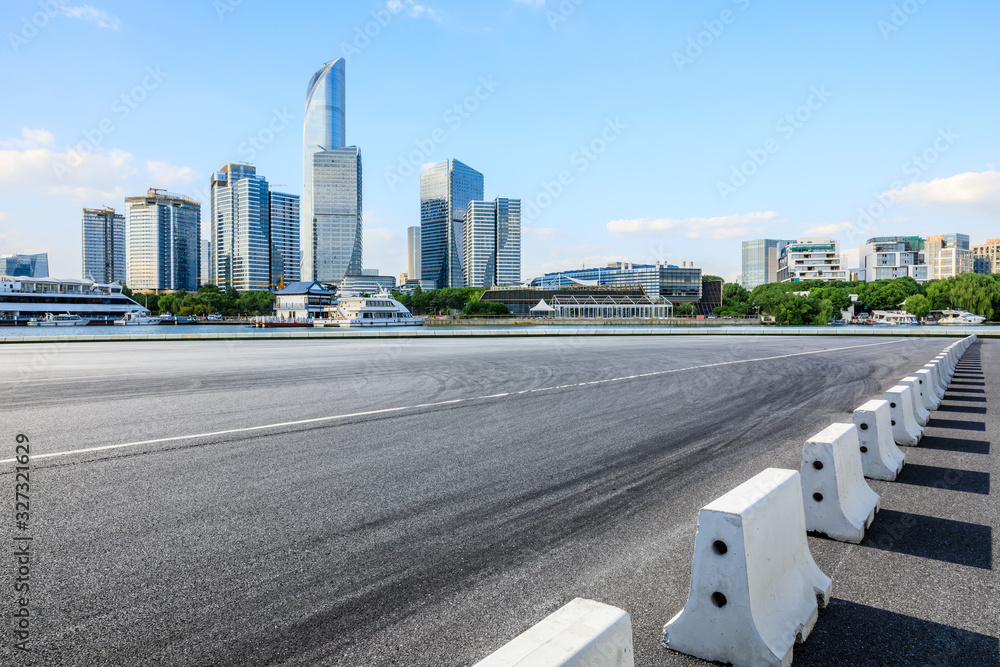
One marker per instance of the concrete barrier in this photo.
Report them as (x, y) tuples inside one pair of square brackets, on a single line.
[(838, 501), (905, 429), (880, 457), (917, 396), (755, 588), (940, 384), (944, 366), (582, 633), (929, 389)]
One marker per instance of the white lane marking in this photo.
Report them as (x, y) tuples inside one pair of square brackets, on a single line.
[(368, 413)]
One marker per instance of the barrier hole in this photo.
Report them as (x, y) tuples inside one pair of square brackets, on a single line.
[(718, 599), (864, 450), (892, 405), (720, 548), (818, 465), (864, 427), (893, 422), (818, 497)]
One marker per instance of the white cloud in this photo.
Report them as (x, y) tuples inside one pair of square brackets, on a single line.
[(168, 176), (381, 235), (412, 9), (3, 216), (541, 233), (718, 228), (830, 230), (427, 165), (29, 139), (978, 190), (102, 18)]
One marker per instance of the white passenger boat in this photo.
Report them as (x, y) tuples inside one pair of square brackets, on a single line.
[(893, 318), (137, 318), (25, 298), (380, 310), (961, 317), (64, 320)]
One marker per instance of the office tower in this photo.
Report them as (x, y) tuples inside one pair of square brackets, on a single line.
[(103, 245), (205, 263), (162, 241), (948, 255), (27, 266), (285, 253), (986, 257), (446, 189), (492, 243), (413, 253), (240, 228), (760, 262), (331, 182), (890, 257), (811, 259)]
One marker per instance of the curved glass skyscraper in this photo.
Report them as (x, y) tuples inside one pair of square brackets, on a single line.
[(331, 182)]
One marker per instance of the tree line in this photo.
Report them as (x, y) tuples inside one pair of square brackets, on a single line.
[(206, 300), (443, 301)]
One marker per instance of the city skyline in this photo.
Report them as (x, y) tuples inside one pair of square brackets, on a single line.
[(813, 150)]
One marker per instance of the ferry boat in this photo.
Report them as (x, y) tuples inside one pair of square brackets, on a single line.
[(893, 318), (137, 318), (960, 317), (380, 310), (65, 320), (22, 297)]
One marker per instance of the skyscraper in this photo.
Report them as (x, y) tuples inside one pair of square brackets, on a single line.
[(331, 182), (205, 263), (285, 252), (413, 253), (948, 255), (103, 245), (29, 266), (492, 244), (446, 189), (760, 262), (240, 228), (162, 241)]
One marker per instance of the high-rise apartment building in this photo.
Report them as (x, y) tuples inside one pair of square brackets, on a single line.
[(413, 253), (27, 266), (760, 262), (986, 257), (811, 259), (286, 256), (948, 255), (162, 241), (103, 245), (446, 189), (492, 243), (891, 257), (205, 263), (331, 182), (240, 228)]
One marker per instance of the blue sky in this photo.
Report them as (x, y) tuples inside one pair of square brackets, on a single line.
[(637, 130)]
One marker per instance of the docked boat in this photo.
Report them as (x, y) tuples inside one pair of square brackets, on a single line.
[(894, 318), (138, 318), (960, 317), (380, 310), (24, 298), (64, 320)]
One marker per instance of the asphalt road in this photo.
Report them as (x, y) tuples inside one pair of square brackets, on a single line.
[(422, 502)]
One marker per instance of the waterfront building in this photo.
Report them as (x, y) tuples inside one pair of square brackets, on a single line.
[(492, 243), (240, 227), (331, 182), (302, 300), (760, 262), (948, 255), (412, 254), (29, 266), (446, 189), (674, 283), (523, 301), (283, 211), (811, 259), (891, 257), (986, 257), (103, 245), (162, 241), (367, 282)]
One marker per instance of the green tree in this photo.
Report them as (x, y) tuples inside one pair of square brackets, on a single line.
[(975, 293), (683, 309), (917, 305)]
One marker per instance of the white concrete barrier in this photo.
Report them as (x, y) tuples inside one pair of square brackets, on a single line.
[(940, 383), (929, 389), (880, 457), (582, 633), (755, 588), (905, 429), (838, 501), (917, 397), (945, 367)]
